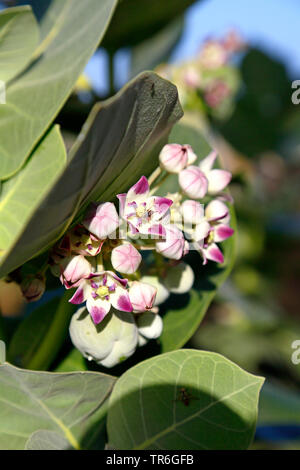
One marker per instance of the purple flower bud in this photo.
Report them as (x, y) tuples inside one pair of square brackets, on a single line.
[(142, 296), (193, 182), (173, 246), (125, 258), (192, 212), (175, 157), (73, 270), (101, 219)]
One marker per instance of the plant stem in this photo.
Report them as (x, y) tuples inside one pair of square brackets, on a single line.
[(154, 175), (55, 336)]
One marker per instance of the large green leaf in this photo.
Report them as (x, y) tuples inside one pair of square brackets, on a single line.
[(182, 315), (137, 20), (61, 407), (19, 35), (119, 142), (34, 99), (22, 194), (146, 412)]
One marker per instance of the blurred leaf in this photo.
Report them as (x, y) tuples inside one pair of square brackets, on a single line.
[(145, 410), (22, 194), (137, 20), (183, 316), (278, 405), (155, 50), (19, 37), (120, 141), (40, 336), (64, 404), (34, 99), (265, 99)]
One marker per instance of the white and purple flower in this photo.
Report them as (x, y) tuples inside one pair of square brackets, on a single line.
[(212, 229), (145, 214), (100, 291), (217, 179)]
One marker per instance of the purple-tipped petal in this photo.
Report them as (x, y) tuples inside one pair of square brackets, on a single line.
[(162, 205), (78, 297), (222, 232), (141, 188), (214, 253), (124, 304), (97, 314)]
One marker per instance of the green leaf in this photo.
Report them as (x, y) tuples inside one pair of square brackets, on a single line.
[(183, 315), (35, 98), (40, 336), (64, 404), (119, 142), (155, 50), (47, 440), (19, 35), (137, 20), (146, 412), (23, 193)]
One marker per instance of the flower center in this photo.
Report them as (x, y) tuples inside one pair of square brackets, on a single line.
[(102, 291), (210, 237), (140, 210)]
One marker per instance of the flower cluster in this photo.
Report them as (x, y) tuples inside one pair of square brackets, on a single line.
[(105, 258), (208, 82)]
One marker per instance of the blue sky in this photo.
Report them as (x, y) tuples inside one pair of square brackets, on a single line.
[(273, 25)]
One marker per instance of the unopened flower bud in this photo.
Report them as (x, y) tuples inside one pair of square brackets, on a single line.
[(73, 270), (162, 292), (150, 325), (101, 219), (192, 212), (108, 343), (180, 278), (33, 287), (174, 244), (125, 258), (175, 157), (142, 296), (193, 182)]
